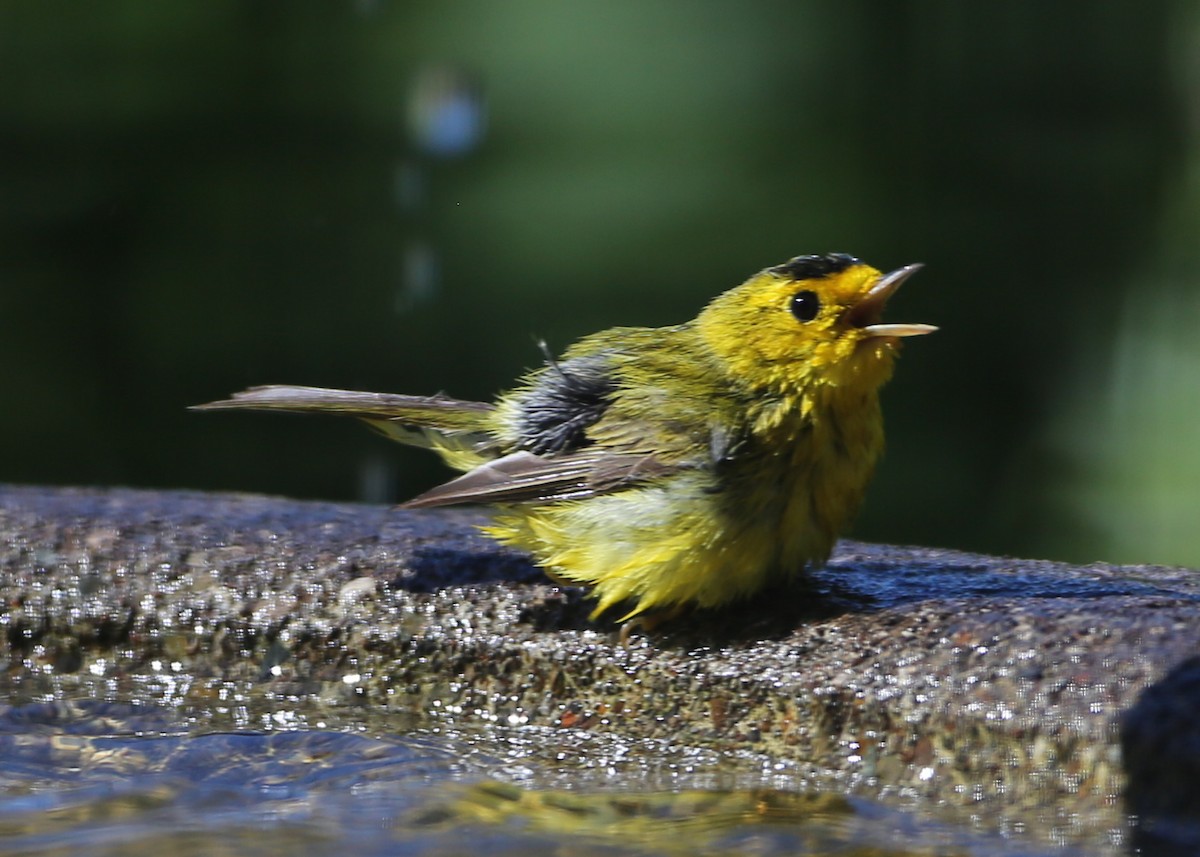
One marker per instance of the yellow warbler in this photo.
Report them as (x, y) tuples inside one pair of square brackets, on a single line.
[(675, 467)]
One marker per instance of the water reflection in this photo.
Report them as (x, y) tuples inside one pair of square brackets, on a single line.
[(102, 778)]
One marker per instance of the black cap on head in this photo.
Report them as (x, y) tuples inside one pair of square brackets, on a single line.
[(810, 267)]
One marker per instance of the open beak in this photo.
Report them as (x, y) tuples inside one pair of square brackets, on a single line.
[(869, 310)]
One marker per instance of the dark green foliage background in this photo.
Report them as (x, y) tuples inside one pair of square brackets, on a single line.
[(202, 195)]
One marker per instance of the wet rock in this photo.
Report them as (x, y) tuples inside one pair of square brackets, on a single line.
[(980, 688), (1160, 740)]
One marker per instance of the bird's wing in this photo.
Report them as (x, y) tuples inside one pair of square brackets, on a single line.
[(523, 477), (581, 427)]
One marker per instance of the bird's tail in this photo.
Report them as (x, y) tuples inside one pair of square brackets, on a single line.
[(458, 430)]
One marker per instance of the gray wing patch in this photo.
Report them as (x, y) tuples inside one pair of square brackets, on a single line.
[(568, 398)]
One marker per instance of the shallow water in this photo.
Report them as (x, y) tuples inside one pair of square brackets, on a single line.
[(94, 778)]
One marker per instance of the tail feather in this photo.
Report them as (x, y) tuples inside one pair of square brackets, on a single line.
[(433, 410), (456, 428)]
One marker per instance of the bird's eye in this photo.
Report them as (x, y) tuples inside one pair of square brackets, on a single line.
[(805, 305)]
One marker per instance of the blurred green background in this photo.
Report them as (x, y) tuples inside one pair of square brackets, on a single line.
[(202, 195)]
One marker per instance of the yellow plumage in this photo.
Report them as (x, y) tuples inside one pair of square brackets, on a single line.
[(672, 467)]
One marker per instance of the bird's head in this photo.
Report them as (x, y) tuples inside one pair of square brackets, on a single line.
[(811, 322)]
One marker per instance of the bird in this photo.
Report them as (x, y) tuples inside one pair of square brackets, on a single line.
[(675, 468)]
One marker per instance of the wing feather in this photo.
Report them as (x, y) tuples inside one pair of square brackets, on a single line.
[(523, 477)]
